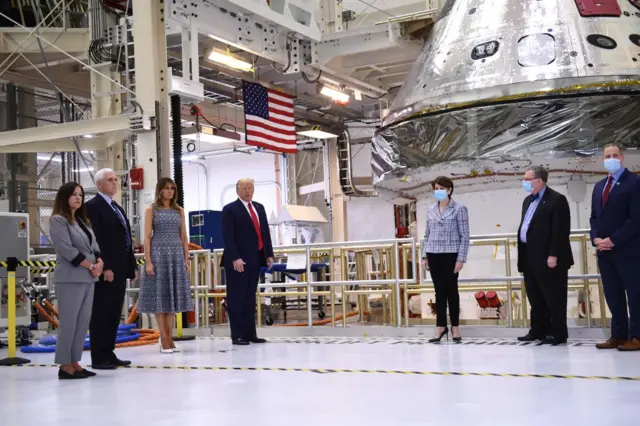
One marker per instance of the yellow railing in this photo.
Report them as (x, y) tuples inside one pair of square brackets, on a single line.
[(363, 269), (357, 272)]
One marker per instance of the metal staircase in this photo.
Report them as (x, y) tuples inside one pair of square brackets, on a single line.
[(345, 171)]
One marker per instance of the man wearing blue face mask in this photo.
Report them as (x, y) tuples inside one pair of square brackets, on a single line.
[(544, 257), (615, 232)]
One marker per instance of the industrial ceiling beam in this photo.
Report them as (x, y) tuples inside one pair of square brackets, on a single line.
[(230, 24), (71, 40), (59, 137), (72, 87)]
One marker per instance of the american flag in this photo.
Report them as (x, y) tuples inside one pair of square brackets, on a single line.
[(269, 119)]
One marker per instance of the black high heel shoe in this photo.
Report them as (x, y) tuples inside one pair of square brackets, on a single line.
[(445, 332), (455, 339)]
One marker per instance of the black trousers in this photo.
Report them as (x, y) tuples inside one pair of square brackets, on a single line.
[(105, 319), (547, 293), (445, 281), (241, 301)]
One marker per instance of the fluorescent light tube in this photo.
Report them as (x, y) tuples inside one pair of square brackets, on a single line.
[(317, 134), (230, 61), (335, 94)]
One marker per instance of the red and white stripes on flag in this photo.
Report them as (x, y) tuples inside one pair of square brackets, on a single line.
[(269, 118)]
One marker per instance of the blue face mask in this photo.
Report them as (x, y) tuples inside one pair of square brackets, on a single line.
[(440, 194), (526, 185), (612, 165)]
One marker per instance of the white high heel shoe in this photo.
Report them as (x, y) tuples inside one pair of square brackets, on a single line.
[(176, 348), (162, 350)]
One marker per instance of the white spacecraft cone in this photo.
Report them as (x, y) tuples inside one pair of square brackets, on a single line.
[(503, 84)]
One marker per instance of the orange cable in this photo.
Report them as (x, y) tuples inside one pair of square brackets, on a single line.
[(51, 308), (45, 314), (320, 322)]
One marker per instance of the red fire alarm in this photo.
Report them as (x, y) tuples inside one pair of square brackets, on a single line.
[(137, 178)]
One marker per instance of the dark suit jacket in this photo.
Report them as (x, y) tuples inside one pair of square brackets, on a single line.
[(111, 238), (548, 232), (240, 238), (619, 219)]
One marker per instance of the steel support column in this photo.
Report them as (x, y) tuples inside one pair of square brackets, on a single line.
[(12, 159), (337, 199), (149, 38)]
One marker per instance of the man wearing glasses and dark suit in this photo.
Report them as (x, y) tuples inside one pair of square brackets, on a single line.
[(544, 257)]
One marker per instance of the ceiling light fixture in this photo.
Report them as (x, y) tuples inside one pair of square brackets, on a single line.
[(226, 59), (318, 132), (335, 94), (214, 135)]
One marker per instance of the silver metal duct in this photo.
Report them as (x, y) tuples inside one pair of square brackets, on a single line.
[(503, 84)]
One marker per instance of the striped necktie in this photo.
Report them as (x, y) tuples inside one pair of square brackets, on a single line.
[(115, 208)]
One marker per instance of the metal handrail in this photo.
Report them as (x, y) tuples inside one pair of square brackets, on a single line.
[(390, 273)]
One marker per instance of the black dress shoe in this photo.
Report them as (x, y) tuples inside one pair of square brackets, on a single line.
[(240, 342), (121, 362), (104, 366), (553, 340), (258, 340), (63, 375), (528, 338), (87, 373)]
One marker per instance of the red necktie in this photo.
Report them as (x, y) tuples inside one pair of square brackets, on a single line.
[(607, 190), (256, 225)]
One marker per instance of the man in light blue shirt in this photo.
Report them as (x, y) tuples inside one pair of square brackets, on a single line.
[(544, 257), (536, 196)]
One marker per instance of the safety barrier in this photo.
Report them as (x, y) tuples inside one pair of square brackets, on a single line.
[(506, 241), (12, 265), (46, 268), (354, 272), (388, 252), (393, 279)]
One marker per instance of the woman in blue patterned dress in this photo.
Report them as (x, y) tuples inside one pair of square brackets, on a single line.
[(165, 288)]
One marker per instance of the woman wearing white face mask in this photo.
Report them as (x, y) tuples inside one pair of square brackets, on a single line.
[(446, 245)]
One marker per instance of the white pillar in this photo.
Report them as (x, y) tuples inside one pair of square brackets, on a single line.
[(150, 50), (106, 101)]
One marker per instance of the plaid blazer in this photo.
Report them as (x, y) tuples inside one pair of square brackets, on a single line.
[(447, 232)]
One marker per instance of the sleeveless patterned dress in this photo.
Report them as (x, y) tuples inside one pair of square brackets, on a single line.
[(168, 290)]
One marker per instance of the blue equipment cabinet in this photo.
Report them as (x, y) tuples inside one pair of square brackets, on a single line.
[(205, 229)]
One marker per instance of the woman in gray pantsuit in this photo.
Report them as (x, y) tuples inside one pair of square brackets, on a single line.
[(78, 266)]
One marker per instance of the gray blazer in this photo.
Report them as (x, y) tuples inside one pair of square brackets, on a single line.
[(447, 232), (73, 243)]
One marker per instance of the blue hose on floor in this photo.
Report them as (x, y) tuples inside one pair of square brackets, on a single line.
[(47, 344)]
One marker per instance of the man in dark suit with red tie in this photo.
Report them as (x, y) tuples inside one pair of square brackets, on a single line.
[(615, 232), (247, 248)]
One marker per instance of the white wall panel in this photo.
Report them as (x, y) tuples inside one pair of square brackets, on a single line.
[(369, 219), (223, 173), (361, 160)]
